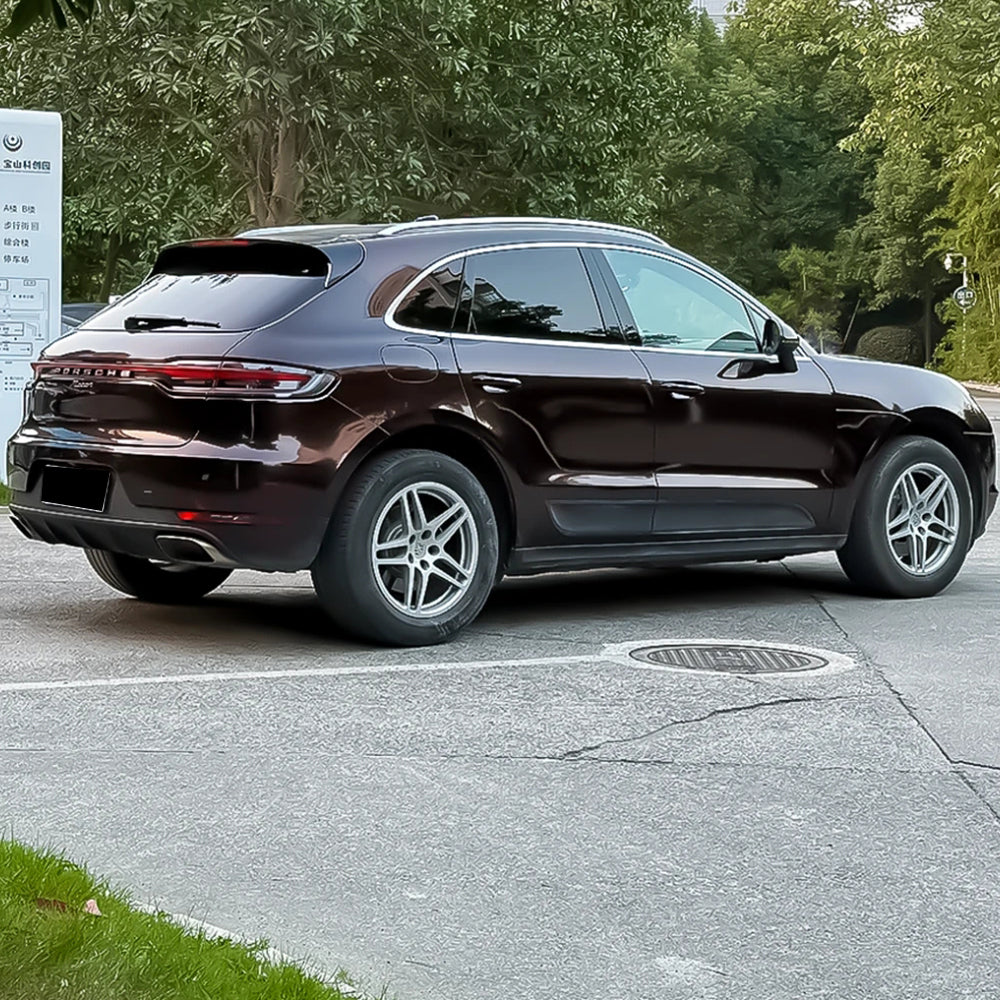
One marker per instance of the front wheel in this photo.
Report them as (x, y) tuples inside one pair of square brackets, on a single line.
[(411, 553), (912, 526), (158, 583)]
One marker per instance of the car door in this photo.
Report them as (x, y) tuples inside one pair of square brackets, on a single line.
[(562, 397), (742, 447)]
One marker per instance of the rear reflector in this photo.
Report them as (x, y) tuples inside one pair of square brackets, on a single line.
[(210, 517), (199, 378)]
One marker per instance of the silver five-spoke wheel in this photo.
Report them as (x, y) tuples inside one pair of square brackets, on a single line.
[(412, 551), (922, 519), (424, 549)]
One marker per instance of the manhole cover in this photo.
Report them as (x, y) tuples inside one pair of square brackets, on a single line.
[(731, 659)]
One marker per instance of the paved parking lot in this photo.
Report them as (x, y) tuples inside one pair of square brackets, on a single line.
[(524, 812)]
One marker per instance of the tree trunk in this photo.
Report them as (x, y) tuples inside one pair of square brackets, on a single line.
[(275, 189), (928, 329), (850, 325), (110, 265)]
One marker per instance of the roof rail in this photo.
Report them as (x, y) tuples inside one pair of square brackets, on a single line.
[(317, 233), (318, 230), (526, 220)]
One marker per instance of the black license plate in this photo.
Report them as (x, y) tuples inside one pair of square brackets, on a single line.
[(84, 489)]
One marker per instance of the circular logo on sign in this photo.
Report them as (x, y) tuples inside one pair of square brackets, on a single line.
[(965, 297), (12, 143)]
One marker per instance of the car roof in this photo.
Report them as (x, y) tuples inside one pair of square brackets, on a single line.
[(325, 235)]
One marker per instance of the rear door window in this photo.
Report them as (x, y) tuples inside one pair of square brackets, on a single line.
[(538, 293)]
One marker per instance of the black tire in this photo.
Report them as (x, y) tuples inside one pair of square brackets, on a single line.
[(868, 558), (153, 582), (364, 601)]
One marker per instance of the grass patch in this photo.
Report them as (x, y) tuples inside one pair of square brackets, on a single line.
[(123, 954), (4, 495)]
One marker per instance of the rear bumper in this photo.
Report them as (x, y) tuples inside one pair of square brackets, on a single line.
[(149, 541), (283, 508)]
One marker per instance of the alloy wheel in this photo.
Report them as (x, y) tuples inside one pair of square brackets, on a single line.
[(922, 519), (424, 549)]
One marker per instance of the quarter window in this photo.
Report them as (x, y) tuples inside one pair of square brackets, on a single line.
[(540, 293), (431, 304), (674, 306)]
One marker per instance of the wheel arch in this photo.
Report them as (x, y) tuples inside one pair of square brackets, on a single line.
[(948, 430), (458, 441)]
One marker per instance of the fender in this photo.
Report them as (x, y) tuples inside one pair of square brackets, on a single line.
[(453, 434)]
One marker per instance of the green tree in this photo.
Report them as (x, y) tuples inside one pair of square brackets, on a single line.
[(933, 125), (801, 58), (59, 12), (129, 181), (185, 118)]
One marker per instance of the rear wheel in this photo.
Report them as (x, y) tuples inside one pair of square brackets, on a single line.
[(160, 583), (912, 526), (411, 554)]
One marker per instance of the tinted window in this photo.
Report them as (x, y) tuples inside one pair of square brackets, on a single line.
[(431, 304), (674, 306), (235, 301), (541, 293), (239, 284)]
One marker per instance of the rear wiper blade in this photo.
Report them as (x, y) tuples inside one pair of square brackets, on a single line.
[(158, 322)]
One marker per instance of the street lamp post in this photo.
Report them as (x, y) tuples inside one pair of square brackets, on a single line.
[(964, 295)]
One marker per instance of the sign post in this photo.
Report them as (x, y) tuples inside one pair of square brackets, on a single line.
[(30, 252)]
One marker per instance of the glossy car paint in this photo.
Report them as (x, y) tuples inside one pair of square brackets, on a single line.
[(589, 456)]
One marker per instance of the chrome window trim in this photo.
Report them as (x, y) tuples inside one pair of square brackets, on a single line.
[(745, 301)]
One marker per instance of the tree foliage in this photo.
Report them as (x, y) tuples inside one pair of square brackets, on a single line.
[(823, 152)]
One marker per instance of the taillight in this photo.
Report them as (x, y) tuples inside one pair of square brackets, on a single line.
[(242, 379)]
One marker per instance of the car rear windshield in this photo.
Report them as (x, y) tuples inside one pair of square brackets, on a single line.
[(229, 285)]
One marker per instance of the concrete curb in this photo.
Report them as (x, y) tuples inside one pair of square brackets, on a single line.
[(983, 387), (272, 955)]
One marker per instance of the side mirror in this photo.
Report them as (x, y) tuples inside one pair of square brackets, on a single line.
[(780, 345)]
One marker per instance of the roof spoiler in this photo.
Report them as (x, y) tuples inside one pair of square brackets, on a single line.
[(241, 255)]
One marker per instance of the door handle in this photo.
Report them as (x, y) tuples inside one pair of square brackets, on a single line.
[(682, 390), (496, 383)]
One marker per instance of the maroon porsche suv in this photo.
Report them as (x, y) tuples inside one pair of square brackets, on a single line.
[(413, 411)]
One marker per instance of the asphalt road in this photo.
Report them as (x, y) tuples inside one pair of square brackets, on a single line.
[(524, 812)]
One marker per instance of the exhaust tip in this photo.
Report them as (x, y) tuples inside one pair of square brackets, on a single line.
[(181, 548)]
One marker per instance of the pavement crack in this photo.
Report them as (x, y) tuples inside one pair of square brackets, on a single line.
[(970, 784), (714, 714), (956, 764), (534, 638), (972, 763), (818, 601)]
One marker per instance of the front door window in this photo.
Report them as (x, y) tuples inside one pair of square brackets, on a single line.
[(676, 307)]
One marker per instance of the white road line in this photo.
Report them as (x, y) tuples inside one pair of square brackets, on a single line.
[(617, 654), (256, 675)]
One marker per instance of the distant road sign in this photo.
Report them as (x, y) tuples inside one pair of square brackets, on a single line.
[(965, 297)]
